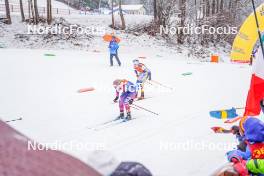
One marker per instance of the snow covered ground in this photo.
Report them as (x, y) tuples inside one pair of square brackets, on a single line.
[(43, 91)]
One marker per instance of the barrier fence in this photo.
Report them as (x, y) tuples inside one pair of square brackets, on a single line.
[(42, 10)]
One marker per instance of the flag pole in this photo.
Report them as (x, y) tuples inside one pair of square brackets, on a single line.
[(257, 22)]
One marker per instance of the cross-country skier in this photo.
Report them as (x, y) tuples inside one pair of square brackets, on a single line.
[(143, 74), (128, 92), (113, 48)]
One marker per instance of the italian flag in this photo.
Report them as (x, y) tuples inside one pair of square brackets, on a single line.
[(256, 91)]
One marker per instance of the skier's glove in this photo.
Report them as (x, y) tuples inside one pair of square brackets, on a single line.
[(130, 101), (115, 100), (217, 129)]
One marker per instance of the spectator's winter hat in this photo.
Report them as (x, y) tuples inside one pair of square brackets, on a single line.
[(132, 169), (103, 161), (254, 130)]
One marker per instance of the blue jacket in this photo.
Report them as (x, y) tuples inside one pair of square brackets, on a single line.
[(239, 154), (113, 47), (254, 130)]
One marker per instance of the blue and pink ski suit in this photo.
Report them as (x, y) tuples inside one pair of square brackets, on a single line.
[(128, 92)]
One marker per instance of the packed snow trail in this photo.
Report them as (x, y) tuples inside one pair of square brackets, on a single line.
[(43, 90)]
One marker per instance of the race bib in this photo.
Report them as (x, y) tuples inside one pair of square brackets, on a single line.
[(257, 150)]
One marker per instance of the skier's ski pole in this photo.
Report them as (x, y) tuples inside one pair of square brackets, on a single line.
[(240, 108), (236, 108), (149, 83), (135, 108), (144, 109), (156, 82), (13, 120)]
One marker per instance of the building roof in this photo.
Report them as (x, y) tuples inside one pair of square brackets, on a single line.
[(17, 159), (131, 7)]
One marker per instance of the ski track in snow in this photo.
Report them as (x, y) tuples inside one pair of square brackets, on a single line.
[(43, 90)]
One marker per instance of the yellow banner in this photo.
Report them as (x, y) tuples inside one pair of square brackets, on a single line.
[(247, 37)]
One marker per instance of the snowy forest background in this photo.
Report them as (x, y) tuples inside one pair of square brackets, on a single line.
[(169, 13)]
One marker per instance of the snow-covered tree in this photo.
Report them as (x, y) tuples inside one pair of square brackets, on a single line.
[(49, 12), (22, 10), (8, 16), (36, 13), (113, 16), (121, 15)]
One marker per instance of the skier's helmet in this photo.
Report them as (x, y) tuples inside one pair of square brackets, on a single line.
[(116, 82), (135, 61)]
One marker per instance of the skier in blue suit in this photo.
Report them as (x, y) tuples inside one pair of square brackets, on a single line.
[(113, 48)]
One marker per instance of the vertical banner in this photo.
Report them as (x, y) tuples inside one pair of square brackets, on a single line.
[(247, 37)]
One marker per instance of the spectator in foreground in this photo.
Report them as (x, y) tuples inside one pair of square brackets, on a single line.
[(107, 165)]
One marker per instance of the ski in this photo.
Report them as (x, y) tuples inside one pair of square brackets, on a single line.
[(119, 122), (103, 124), (109, 124)]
